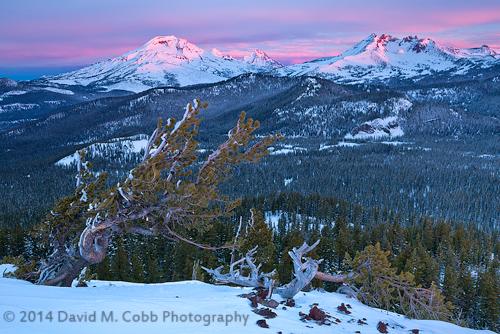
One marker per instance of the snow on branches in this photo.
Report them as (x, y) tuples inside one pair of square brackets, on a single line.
[(169, 193)]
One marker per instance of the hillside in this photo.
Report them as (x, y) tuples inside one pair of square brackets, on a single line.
[(203, 301), (334, 132)]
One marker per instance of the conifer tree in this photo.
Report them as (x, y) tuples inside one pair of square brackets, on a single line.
[(342, 240), (167, 194), (137, 268), (285, 270), (152, 265), (259, 234), (488, 293), (120, 266), (102, 270), (422, 266), (379, 285)]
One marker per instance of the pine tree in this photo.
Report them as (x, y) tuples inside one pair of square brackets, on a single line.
[(285, 270), (451, 287), (489, 303), (380, 286), (151, 200), (422, 266), (137, 267), (102, 270), (120, 267), (342, 240), (151, 265), (260, 235), (372, 264)]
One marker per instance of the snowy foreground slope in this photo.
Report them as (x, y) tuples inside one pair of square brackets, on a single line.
[(209, 305)]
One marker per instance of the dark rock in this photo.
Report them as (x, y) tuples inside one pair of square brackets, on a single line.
[(253, 301), (262, 323), (362, 322), (382, 327), (343, 308), (262, 293), (290, 302), (317, 314), (415, 331), (266, 313), (270, 303)]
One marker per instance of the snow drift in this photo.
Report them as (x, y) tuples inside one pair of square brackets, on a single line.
[(185, 307)]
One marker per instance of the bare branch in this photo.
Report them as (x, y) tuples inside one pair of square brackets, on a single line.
[(304, 272), (235, 276)]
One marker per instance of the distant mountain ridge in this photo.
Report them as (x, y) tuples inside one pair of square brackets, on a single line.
[(173, 61), (384, 57), (165, 61)]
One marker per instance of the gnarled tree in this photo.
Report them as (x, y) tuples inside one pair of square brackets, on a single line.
[(304, 271), (371, 279), (167, 194)]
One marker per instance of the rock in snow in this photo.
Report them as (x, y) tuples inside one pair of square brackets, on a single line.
[(377, 128), (134, 307)]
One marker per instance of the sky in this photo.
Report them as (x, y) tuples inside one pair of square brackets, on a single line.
[(41, 37)]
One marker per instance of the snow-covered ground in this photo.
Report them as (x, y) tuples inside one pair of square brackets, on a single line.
[(167, 308), (377, 128), (121, 146), (286, 149)]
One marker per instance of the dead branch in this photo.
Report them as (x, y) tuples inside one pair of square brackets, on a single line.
[(235, 275)]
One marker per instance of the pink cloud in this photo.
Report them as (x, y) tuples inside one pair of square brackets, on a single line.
[(78, 32)]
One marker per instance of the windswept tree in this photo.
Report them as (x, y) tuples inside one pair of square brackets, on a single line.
[(169, 193), (371, 279), (377, 284)]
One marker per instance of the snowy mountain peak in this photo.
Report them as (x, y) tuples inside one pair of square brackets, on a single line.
[(173, 61), (483, 51), (385, 43), (216, 52), (165, 61), (385, 57), (172, 46), (260, 58)]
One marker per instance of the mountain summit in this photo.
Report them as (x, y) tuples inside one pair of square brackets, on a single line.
[(383, 57), (173, 61), (165, 61), (261, 59)]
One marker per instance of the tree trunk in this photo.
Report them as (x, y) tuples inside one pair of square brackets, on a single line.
[(61, 270), (65, 264)]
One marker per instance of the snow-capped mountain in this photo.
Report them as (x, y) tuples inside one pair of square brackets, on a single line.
[(384, 57), (165, 61), (260, 59), (172, 61)]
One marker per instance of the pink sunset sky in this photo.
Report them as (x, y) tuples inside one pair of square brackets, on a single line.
[(47, 37)]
